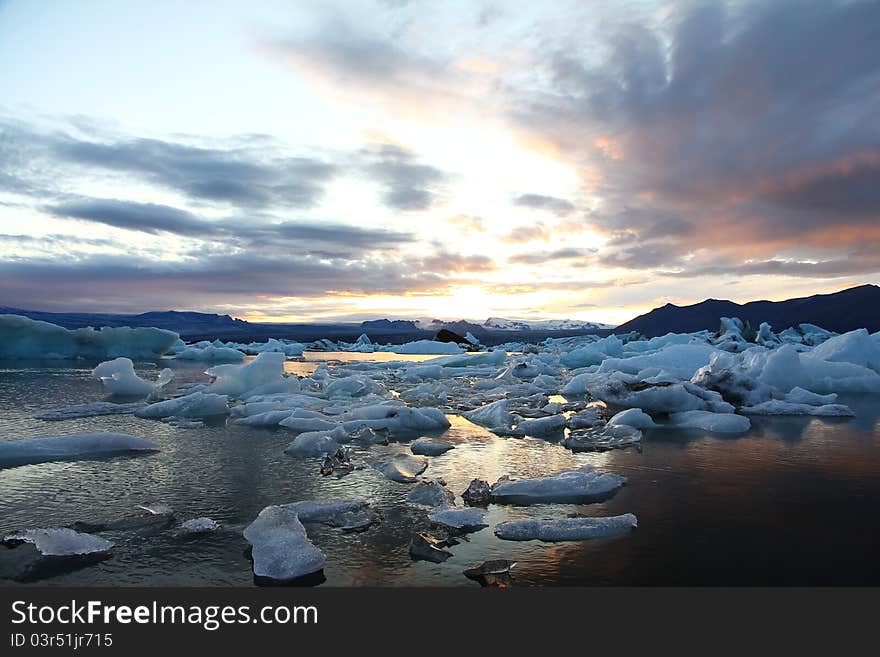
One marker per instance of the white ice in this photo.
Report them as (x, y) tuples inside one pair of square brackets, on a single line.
[(61, 542), (566, 486), (566, 529), (119, 378), (70, 447)]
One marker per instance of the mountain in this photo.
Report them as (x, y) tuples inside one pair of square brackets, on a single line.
[(389, 325), (501, 324), (856, 307), (183, 323)]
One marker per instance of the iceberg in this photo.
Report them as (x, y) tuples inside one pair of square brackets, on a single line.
[(633, 417), (281, 550), (426, 347), (60, 542), (316, 443), (196, 404), (119, 378), (73, 447), (469, 519), (401, 467), (21, 337), (264, 372), (566, 529), (430, 447), (542, 425), (855, 347), (210, 353), (431, 493), (581, 485), (495, 414)]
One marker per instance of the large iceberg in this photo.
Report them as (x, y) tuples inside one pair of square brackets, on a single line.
[(22, 337), (70, 448)]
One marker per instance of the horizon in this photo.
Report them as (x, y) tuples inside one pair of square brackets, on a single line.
[(326, 162)]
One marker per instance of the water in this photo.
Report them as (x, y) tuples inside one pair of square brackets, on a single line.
[(791, 502)]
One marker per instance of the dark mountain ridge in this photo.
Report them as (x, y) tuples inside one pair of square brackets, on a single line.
[(847, 310)]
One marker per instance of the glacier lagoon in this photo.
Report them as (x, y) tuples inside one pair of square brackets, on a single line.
[(785, 503)]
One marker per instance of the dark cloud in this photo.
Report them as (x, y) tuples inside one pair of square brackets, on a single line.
[(454, 263), (408, 184), (255, 177), (541, 257), (126, 283), (152, 218), (553, 204), (749, 126)]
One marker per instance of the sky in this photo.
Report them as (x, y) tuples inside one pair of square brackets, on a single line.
[(319, 161)]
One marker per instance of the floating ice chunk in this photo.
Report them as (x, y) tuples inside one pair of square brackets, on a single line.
[(467, 519), (801, 396), (347, 515), (21, 337), (211, 353), (396, 419), (633, 417), (580, 485), (714, 422), (242, 380), (766, 337), (593, 354), (425, 394), (679, 361), (353, 386), (592, 416), (431, 493), (542, 425), (285, 347), (92, 409), (602, 439), (780, 407), (281, 549), (119, 378), (72, 447), (430, 447), (660, 398), (492, 415), (470, 360), (566, 529), (316, 443), (426, 347), (60, 542), (196, 404), (201, 525), (855, 347), (300, 424), (401, 467)]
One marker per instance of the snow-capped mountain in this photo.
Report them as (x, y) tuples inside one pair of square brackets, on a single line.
[(502, 324)]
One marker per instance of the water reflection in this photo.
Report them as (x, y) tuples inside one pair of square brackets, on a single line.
[(785, 503)]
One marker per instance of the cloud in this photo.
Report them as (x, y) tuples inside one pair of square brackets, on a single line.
[(558, 206), (541, 257), (740, 127), (408, 184)]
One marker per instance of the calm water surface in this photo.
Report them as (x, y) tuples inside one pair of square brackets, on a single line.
[(792, 502)]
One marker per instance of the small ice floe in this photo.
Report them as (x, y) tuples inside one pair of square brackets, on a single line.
[(780, 407), (542, 426), (316, 443), (401, 467), (59, 542), (477, 493), (633, 417), (281, 550), (464, 520), (713, 422), (156, 509), (601, 439), (566, 529), (431, 493), (592, 416), (196, 526), (93, 409), (347, 515), (210, 353), (73, 447), (426, 547), (581, 485), (427, 347), (495, 572), (119, 378), (430, 447), (197, 404), (495, 414)]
